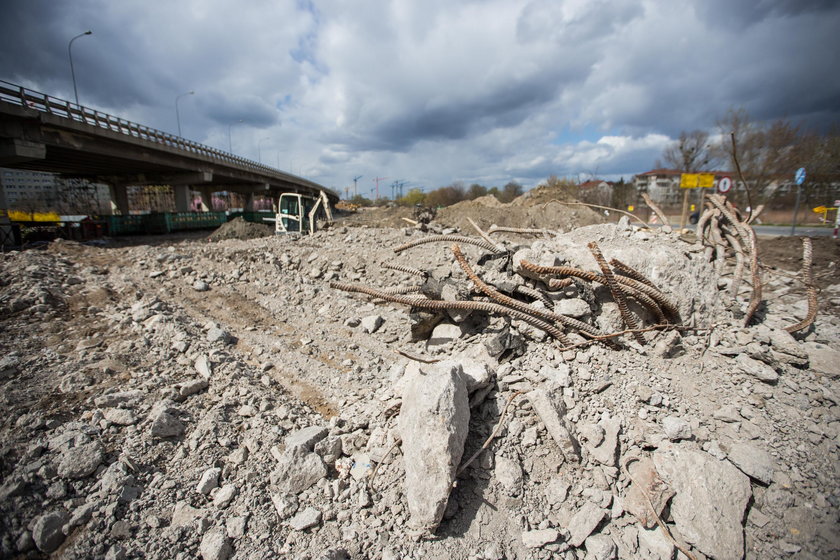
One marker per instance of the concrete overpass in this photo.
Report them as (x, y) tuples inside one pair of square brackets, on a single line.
[(43, 133)]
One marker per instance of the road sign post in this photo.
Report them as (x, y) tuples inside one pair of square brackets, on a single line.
[(799, 178), (693, 181), (836, 218)]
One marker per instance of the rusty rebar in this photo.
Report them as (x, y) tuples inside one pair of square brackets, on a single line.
[(630, 272), (441, 305), (617, 295), (755, 298), (503, 299), (656, 210), (653, 293), (701, 224), (397, 290), (559, 283), (534, 294), (484, 236), (403, 268), (738, 275), (808, 279), (524, 231), (452, 238)]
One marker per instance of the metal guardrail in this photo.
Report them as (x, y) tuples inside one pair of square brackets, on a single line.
[(19, 95)]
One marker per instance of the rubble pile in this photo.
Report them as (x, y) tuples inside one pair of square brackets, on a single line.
[(223, 401)]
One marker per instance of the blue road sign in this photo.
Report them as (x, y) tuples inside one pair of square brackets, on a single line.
[(800, 176)]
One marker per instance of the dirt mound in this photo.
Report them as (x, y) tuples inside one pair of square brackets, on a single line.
[(238, 228), (378, 217), (552, 214)]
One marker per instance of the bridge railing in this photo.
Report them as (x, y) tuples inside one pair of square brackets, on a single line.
[(25, 97)]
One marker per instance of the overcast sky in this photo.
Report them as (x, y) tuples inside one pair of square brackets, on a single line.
[(434, 91)]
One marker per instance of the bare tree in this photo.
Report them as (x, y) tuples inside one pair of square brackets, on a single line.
[(762, 155), (690, 153)]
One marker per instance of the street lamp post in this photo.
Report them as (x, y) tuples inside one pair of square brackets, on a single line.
[(177, 114), (230, 145), (259, 147), (70, 53)]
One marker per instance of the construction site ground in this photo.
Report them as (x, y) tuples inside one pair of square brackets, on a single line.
[(186, 396)]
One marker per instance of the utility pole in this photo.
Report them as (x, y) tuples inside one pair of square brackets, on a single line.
[(355, 185), (376, 180)]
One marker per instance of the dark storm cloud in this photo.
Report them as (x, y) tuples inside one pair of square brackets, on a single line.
[(442, 89)]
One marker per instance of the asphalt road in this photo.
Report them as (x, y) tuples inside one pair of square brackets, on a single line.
[(775, 231)]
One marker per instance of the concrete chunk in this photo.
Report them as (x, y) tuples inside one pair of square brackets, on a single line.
[(584, 522), (710, 501), (551, 412), (306, 438), (433, 424)]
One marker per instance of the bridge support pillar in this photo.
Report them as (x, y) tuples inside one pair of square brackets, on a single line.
[(182, 198), (249, 202), (206, 198), (119, 199)]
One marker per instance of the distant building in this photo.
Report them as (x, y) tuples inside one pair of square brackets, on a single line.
[(28, 187), (663, 185), (34, 190)]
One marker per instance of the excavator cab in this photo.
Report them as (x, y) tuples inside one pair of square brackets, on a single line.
[(300, 214)]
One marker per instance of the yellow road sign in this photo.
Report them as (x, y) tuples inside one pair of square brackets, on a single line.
[(695, 180), (706, 180)]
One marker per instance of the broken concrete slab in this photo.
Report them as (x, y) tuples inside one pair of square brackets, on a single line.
[(298, 470), (433, 424), (759, 370), (753, 461), (306, 438), (711, 498), (551, 411), (584, 522)]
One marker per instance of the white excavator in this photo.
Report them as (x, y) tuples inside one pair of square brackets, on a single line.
[(301, 214)]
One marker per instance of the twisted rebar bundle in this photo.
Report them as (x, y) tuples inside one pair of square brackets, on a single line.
[(808, 279), (441, 305), (627, 285), (629, 320)]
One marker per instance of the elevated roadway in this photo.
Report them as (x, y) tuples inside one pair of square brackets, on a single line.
[(39, 132)]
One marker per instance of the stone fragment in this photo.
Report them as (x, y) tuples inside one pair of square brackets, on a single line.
[(9, 366), (120, 416), (753, 461), (509, 474), (710, 500), (655, 544), (823, 359), (204, 367), (306, 438), (165, 425), (669, 346), (600, 547), (46, 531), (310, 517), (285, 504), (584, 522), (645, 481), (298, 470), (216, 334), (759, 370), (189, 388), (371, 323), (539, 537), (184, 515), (329, 449), (200, 286), (676, 428), (215, 545), (122, 397), (209, 480), (727, 413), (606, 452), (572, 307), (80, 461), (443, 334), (235, 526), (433, 425), (551, 411), (362, 466), (224, 496), (556, 491)]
